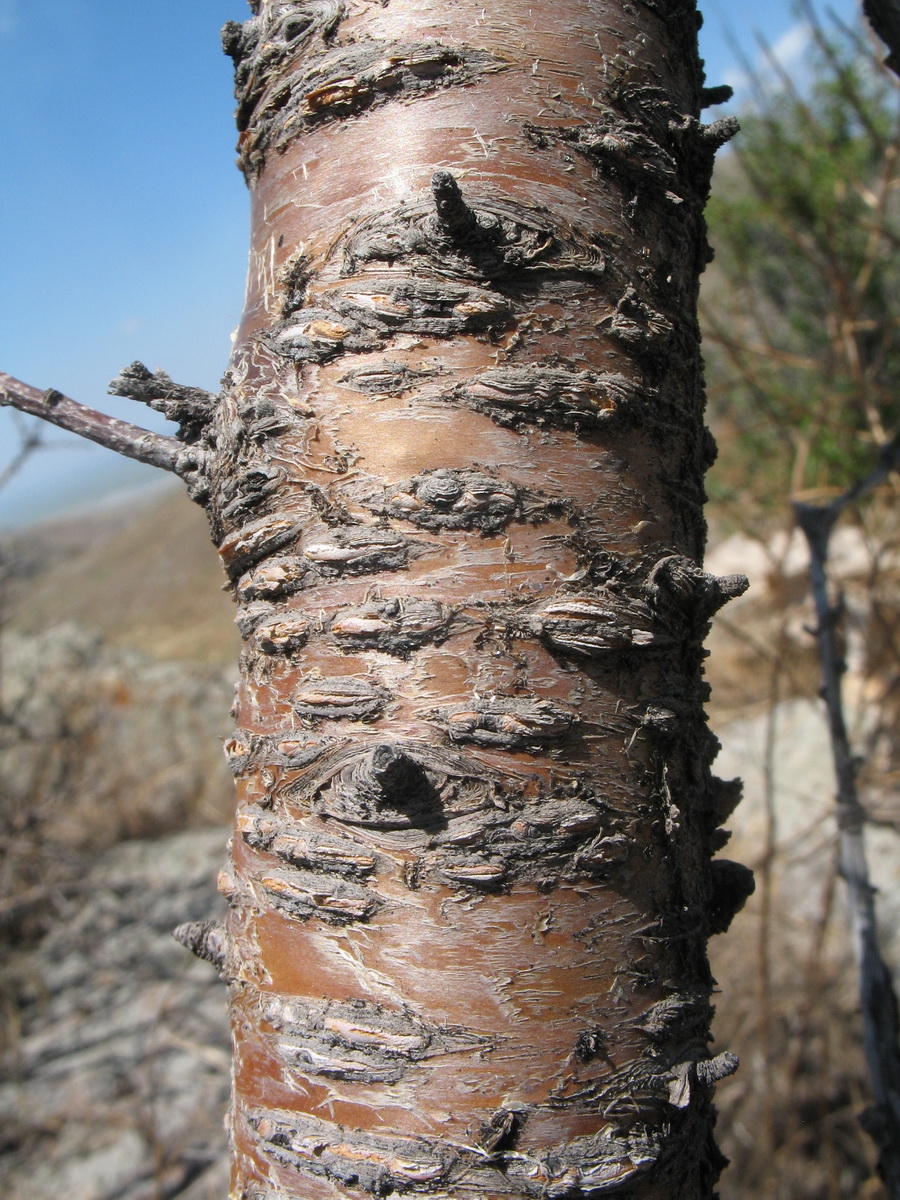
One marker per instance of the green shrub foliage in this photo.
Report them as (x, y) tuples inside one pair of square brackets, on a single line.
[(802, 306)]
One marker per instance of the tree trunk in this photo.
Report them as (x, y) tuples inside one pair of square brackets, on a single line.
[(455, 478), (884, 17)]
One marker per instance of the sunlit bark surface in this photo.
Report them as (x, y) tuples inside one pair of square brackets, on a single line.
[(455, 479)]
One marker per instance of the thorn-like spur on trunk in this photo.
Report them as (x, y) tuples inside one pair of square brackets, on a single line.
[(456, 220)]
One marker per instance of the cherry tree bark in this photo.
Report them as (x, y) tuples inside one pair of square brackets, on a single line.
[(455, 479)]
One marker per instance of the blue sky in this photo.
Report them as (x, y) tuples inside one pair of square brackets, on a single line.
[(124, 220)]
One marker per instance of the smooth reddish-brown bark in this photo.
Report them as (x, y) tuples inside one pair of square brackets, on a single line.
[(455, 478)]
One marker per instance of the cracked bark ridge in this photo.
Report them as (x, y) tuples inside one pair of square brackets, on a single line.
[(341, 697), (257, 489), (585, 1166), (247, 752), (461, 499), (513, 722), (306, 894), (255, 541), (359, 1041), (367, 314), (397, 626), (596, 624), (279, 95), (358, 550), (559, 838), (282, 636), (386, 378), (554, 396), (291, 843), (330, 554)]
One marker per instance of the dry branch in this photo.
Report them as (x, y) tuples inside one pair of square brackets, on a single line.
[(120, 436), (881, 1027)]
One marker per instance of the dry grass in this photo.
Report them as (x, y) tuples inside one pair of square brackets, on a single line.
[(147, 578), (789, 1120)]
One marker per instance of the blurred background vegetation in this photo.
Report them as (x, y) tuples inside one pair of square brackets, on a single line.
[(801, 309), (119, 738), (801, 322)]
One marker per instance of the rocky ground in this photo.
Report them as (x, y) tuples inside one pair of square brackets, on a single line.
[(116, 1086)]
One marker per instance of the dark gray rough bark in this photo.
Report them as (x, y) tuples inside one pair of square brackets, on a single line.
[(884, 17)]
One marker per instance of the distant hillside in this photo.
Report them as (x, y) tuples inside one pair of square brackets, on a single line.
[(144, 575), (118, 660)]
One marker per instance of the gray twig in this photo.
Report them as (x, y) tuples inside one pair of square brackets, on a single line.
[(30, 439), (124, 438)]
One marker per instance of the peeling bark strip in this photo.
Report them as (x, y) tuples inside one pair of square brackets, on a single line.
[(455, 478), (366, 1043)]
